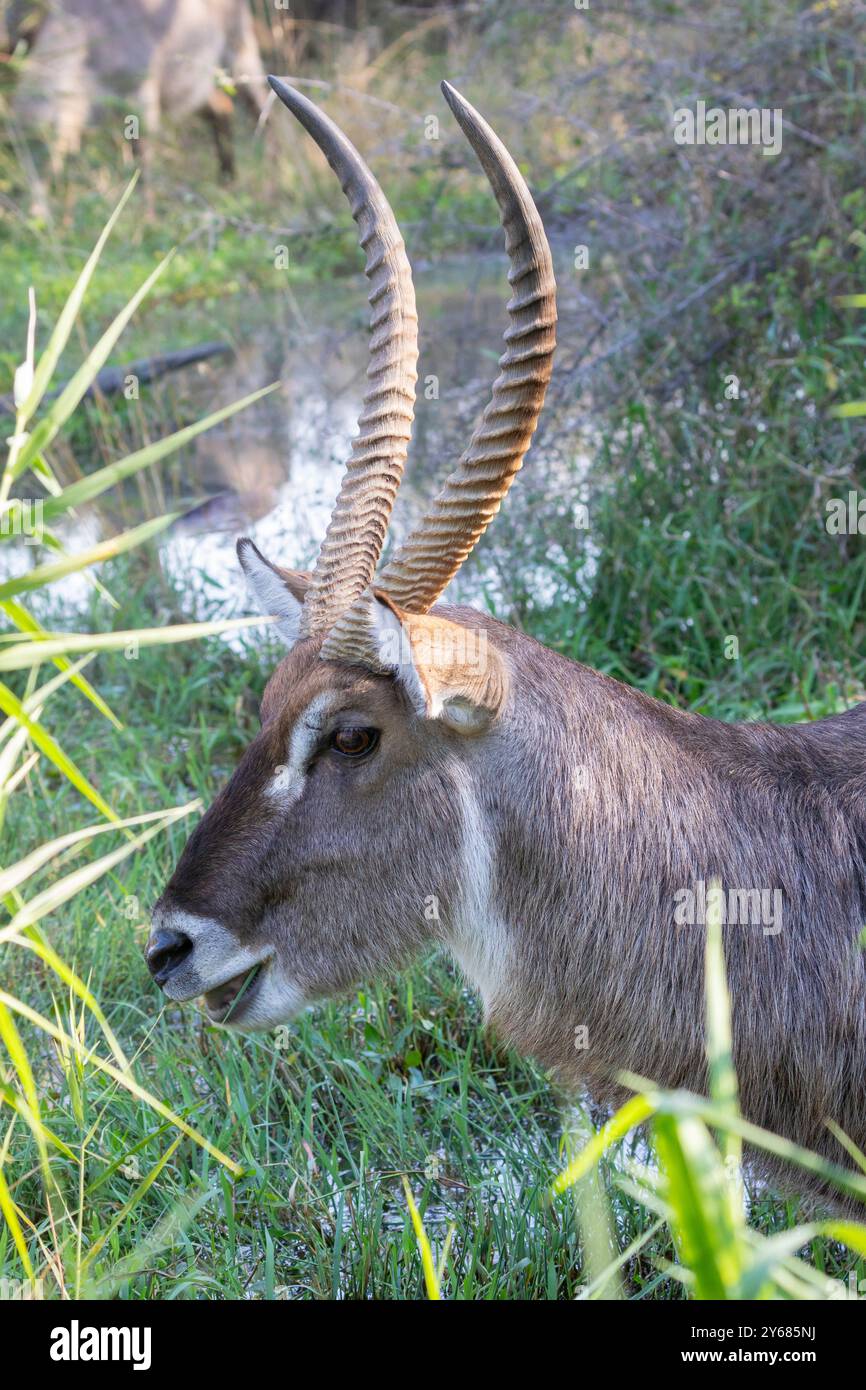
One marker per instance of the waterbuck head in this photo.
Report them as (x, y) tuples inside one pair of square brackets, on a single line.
[(348, 836)]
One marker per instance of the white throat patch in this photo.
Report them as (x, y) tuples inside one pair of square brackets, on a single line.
[(480, 940)]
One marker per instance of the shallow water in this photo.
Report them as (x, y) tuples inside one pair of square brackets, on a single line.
[(274, 471)]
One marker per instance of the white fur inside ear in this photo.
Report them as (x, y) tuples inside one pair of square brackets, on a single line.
[(270, 593), (395, 651), (461, 715)]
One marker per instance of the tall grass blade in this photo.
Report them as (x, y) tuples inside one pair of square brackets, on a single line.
[(25, 622), (635, 1112), (123, 1078), (67, 887), (85, 489), (60, 336), (47, 744), (53, 570), (32, 653), (428, 1264), (60, 409)]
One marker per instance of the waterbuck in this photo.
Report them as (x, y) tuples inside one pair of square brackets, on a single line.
[(426, 774), (145, 58)]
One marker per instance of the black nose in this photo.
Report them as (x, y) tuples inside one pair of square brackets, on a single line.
[(164, 952)]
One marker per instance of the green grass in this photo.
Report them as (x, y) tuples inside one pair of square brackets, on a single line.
[(324, 1116), (708, 518), (324, 1119)]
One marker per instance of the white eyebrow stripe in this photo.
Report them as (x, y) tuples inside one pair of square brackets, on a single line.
[(287, 784)]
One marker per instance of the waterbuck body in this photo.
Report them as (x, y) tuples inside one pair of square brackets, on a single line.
[(145, 58), (427, 775)]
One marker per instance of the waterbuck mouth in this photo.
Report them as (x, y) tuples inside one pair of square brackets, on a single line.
[(225, 1003)]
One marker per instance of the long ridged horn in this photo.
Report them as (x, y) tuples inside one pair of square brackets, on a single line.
[(473, 493), (356, 532)]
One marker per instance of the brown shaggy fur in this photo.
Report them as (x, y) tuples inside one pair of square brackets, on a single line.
[(595, 806)]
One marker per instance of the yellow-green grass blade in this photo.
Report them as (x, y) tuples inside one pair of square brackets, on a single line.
[(19, 1105), (53, 570), (702, 1218), (49, 540), (87, 1055), (85, 489), (44, 369), (851, 410), (687, 1103), (47, 744), (32, 942), (35, 701), (721, 1073), (25, 868), (67, 887), (107, 1173), (31, 653), (130, 1205), (774, 1250), (628, 1117), (847, 1144), (15, 780), (25, 622), (595, 1218), (446, 1250), (60, 409), (46, 475), (11, 1040), (850, 1233), (21, 386), (10, 1214), (428, 1264), (9, 755)]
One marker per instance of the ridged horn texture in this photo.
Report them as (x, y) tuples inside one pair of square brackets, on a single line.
[(356, 532), (354, 638), (473, 493)]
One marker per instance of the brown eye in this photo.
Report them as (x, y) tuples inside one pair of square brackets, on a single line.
[(354, 743)]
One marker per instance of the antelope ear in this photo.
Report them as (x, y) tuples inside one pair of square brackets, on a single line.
[(277, 592), (448, 670)]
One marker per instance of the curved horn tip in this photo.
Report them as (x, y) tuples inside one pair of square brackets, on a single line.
[(471, 122), (451, 95), (287, 95)]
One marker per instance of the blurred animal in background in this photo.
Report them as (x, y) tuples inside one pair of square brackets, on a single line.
[(135, 62), (20, 21)]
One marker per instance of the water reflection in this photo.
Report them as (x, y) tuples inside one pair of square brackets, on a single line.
[(273, 471)]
